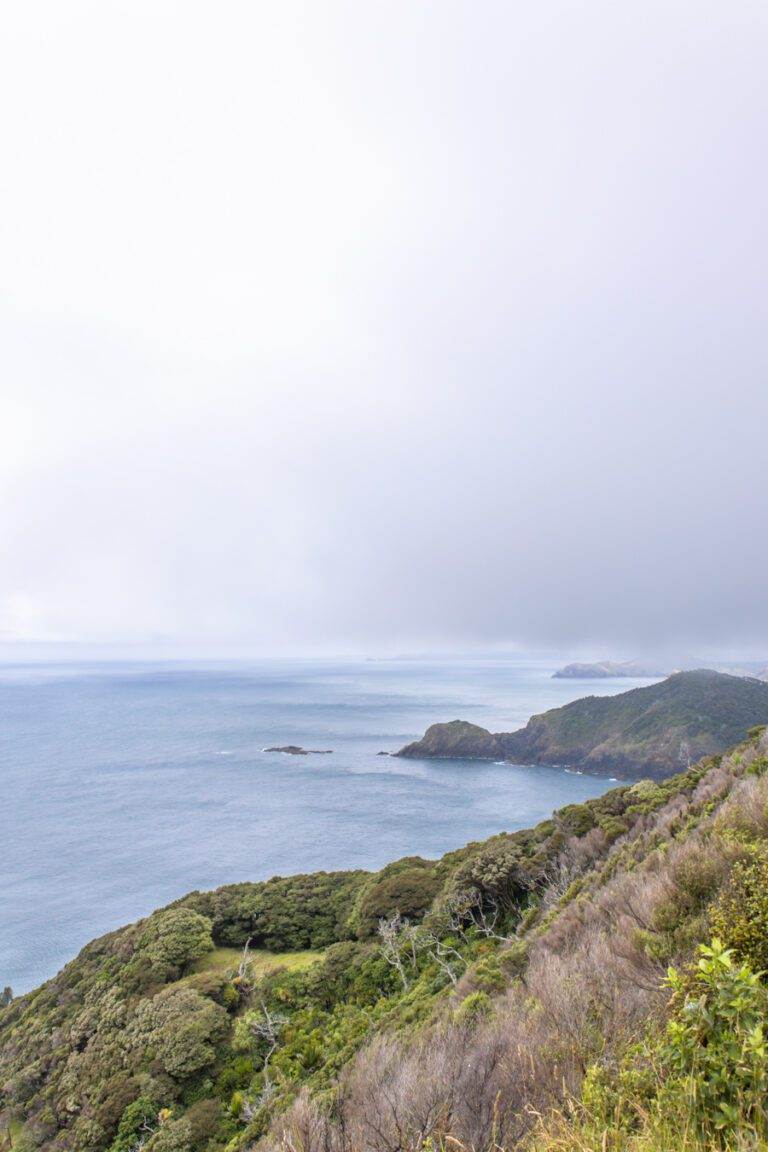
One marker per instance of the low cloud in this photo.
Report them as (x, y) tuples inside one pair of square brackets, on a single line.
[(430, 331)]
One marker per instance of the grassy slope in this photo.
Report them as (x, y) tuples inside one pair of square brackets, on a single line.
[(260, 962)]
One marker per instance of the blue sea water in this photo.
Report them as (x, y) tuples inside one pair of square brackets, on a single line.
[(126, 785)]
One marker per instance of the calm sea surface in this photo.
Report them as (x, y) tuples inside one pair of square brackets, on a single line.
[(126, 785)]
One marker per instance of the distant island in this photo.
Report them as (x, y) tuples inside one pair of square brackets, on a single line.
[(650, 731), (607, 669), (650, 669)]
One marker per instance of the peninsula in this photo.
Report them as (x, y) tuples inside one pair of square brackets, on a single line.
[(650, 731)]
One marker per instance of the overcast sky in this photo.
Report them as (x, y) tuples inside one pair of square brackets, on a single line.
[(381, 326)]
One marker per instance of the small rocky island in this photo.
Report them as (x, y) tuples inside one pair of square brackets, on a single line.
[(653, 731), (296, 750)]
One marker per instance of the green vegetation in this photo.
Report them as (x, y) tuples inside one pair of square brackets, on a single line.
[(740, 916), (652, 731), (595, 982), (227, 960), (700, 1084)]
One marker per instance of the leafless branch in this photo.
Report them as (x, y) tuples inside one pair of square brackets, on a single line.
[(268, 1027), (391, 936)]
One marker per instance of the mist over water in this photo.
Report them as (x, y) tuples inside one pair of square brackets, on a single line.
[(127, 785)]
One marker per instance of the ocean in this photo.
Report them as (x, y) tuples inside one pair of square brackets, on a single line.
[(125, 785)]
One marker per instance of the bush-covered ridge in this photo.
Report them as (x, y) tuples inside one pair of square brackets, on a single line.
[(511, 994), (648, 731)]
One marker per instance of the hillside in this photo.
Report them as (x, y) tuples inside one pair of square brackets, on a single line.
[(647, 731), (508, 996)]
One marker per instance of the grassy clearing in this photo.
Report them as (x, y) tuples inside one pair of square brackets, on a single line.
[(12, 1134), (261, 961)]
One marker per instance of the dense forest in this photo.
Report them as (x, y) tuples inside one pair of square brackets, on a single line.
[(592, 983)]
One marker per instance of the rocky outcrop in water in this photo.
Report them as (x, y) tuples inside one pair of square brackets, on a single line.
[(296, 750)]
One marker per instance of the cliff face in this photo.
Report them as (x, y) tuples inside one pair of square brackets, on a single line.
[(651, 731)]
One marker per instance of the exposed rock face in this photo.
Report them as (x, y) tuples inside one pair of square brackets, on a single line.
[(651, 731)]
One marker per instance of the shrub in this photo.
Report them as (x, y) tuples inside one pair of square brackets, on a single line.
[(473, 1007), (613, 827), (488, 974), (236, 1073), (740, 917), (576, 819), (181, 1028), (700, 1086), (409, 892), (118, 1092), (176, 937), (136, 1118), (715, 1048), (695, 873), (283, 914), (500, 870), (215, 986), (173, 1136), (203, 1117)]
